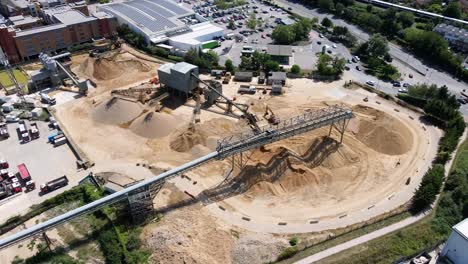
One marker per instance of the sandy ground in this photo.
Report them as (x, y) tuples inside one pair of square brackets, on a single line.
[(308, 177)]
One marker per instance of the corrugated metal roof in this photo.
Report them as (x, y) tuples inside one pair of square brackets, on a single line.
[(183, 67)]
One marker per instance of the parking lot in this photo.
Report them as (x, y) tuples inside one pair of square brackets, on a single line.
[(43, 161)]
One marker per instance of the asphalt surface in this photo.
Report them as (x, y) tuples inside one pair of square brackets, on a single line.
[(405, 62)]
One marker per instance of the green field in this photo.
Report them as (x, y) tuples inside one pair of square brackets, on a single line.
[(6, 81)]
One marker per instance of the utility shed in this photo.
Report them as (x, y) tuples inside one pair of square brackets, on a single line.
[(178, 76), (243, 76), (455, 248), (276, 77)]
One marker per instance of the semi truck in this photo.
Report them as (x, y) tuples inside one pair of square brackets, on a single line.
[(4, 131), (23, 131), (4, 164), (45, 98), (54, 185), (34, 130), (247, 89), (60, 141)]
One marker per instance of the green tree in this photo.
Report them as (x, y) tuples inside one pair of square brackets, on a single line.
[(435, 8), (340, 31), (259, 60), (406, 19), (377, 46), (301, 29), (271, 66), (349, 14), (229, 66), (252, 22), (369, 8), (326, 5), (296, 69), (429, 188), (388, 71), (326, 22), (453, 10), (231, 25), (283, 35), (339, 8)]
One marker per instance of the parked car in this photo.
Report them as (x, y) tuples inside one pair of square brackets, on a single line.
[(406, 85), (358, 68), (396, 84), (334, 46), (402, 90), (371, 83)]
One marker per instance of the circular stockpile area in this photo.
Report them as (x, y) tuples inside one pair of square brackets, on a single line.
[(112, 67), (381, 132), (154, 125), (314, 175), (115, 111)]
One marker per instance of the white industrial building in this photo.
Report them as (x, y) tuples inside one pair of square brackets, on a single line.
[(198, 34), (456, 247), (164, 21)]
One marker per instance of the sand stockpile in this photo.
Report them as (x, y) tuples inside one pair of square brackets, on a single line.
[(111, 68), (281, 171), (154, 125), (204, 134), (115, 111), (381, 132)]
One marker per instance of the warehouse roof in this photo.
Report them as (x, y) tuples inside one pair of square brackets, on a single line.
[(279, 50), (462, 228), (37, 30), (151, 16), (71, 17), (198, 31)]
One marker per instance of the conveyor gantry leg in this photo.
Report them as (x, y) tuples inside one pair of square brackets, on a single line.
[(141, 202), (341, 126)]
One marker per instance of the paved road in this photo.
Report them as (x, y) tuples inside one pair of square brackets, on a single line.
[(378, 233), (406, 62)]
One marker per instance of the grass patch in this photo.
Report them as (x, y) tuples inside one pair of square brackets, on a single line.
[(345, 237), (405, 242), (7, 82)]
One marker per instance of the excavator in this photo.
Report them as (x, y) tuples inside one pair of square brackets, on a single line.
[(270, 116)]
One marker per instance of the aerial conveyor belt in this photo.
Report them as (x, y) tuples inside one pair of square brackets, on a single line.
[(226, 147)]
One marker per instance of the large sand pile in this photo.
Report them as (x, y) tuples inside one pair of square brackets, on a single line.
[(154, 125), (204, 134), (286, 168), (115, 111), (111, 68), (380, 132)]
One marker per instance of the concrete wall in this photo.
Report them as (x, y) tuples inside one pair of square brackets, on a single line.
[(456, 249)]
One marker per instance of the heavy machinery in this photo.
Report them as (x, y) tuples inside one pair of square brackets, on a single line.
[(227, 78), (251, 118), (54, 185), (139, 94), (270, 116)]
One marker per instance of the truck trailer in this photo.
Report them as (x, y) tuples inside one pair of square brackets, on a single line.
[(4, 131), (34, 130), (54, 185), (24, 172)]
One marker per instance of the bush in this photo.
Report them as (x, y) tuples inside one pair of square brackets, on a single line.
[(229, 66), (293, 241), (288, 252), (296, 69)]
